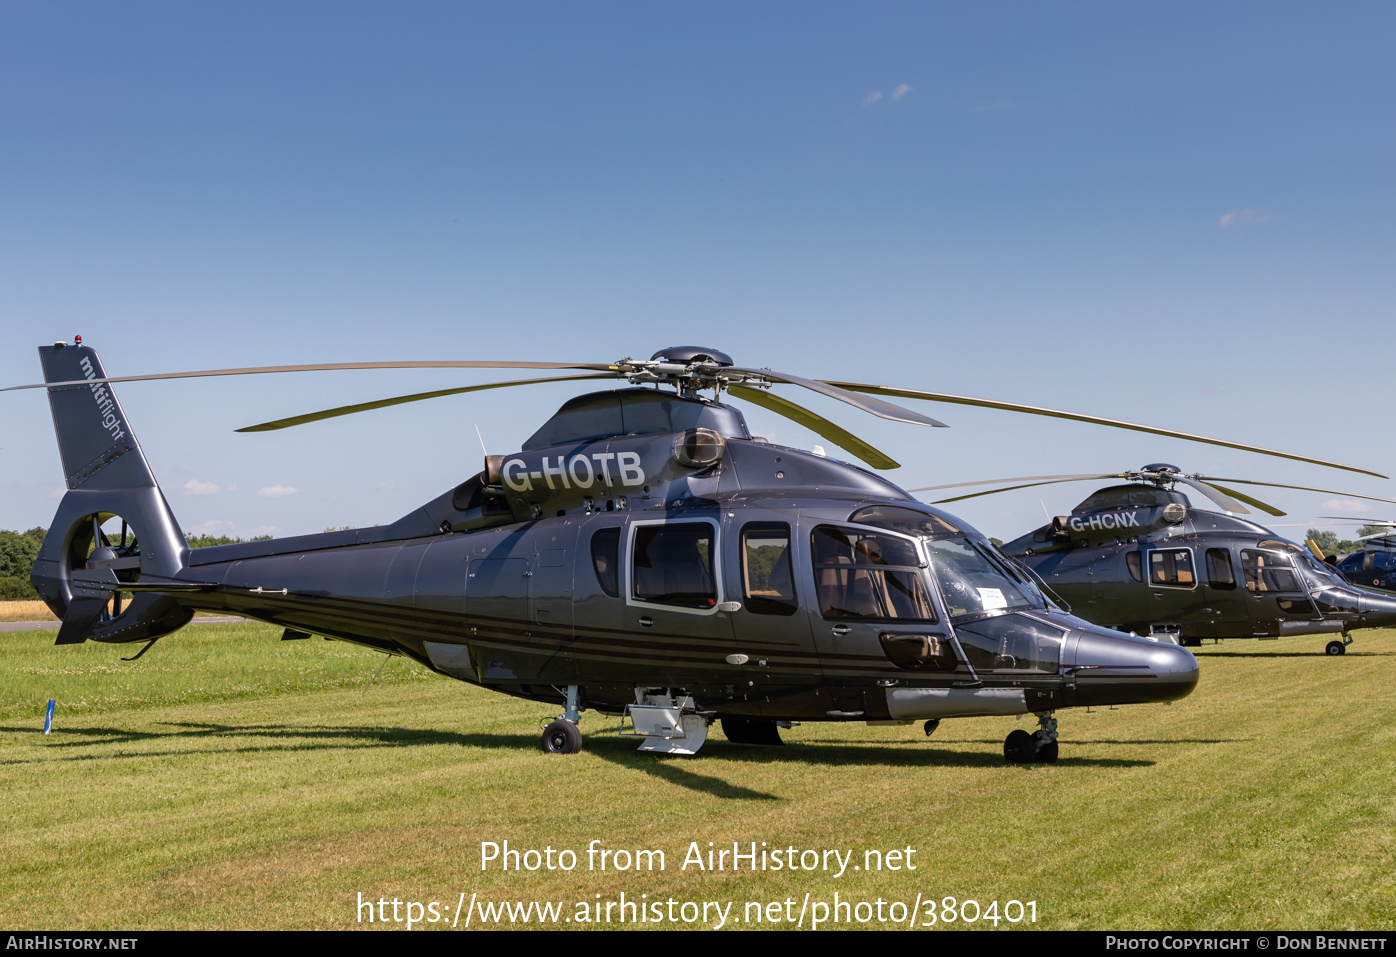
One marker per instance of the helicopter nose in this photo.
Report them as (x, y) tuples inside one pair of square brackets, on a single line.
[(1113, 668), (1377, 610)]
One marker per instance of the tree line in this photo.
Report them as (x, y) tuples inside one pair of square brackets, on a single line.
[(1333, 545)]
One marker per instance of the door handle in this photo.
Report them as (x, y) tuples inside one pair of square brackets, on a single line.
[(647, 621), (841, 630)]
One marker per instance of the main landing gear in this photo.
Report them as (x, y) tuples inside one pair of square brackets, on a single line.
[(563, 736), (1039, 747), (1336, 647)]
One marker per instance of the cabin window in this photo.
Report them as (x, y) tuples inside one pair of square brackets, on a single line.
[(862, 574), (1171, 566), (673, 565), (768, 576), (1135, 565), (1268, 572), (1219, 571), (605, 558)]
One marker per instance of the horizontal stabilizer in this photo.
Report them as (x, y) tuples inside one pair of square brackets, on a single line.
[(95, 581), (83, 615)]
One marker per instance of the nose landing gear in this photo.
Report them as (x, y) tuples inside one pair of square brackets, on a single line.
[(1336, 647), (1039, 747)]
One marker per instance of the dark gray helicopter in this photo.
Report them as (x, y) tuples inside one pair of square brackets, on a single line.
[(643, 555), (1139, 557)]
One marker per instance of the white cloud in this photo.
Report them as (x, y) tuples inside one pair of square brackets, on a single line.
[(1345, 505), (902, 90), (276, 491), (1258, 214), (214, 527), (58, 493), (195, 487), (384, 487)]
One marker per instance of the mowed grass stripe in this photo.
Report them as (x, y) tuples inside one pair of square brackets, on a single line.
[(231, 780)]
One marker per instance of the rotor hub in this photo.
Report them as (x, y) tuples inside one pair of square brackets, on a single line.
[(1157, 473), (689, 369), (686, 355)]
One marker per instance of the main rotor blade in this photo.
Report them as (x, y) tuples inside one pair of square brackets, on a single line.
[(877, 407), (399, 400), (1011, 488), (1247, 499), (1226, 498), (1357, 521), (1302, 488), (816, 424), (1093, 419), (328, 367), (1021, 478)]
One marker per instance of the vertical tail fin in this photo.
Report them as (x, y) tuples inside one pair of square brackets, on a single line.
[(108, 477), (98, 448)]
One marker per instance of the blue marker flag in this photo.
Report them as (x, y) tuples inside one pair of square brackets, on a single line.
[(48, 717)]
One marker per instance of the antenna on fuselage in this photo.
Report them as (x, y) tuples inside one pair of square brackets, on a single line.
[(482, 439)]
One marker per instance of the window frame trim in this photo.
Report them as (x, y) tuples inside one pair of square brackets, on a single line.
[(1171, 548), (1293, 568), (922, 568), (627, 566), (620, 563), (1237, 582), (792, 531)]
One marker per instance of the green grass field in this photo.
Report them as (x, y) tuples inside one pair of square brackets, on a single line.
[(229, 780)]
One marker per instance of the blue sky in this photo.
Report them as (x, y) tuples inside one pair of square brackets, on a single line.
[(1179, 214)]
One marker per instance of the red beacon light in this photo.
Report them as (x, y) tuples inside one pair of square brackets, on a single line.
[(77, 340)]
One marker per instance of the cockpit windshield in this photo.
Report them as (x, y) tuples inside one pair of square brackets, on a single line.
[(973, 584), (1315, 573)]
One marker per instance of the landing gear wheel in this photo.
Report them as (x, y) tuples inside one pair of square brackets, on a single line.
[(1336, 648), (931, 725), (1019, 747), (562, 737), (1192, 642), (1047, 753)]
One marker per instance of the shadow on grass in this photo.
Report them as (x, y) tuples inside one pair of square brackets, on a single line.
[(287, 738), (674, 769), (183, 737), (825, 753), (1065, 742), (1292, 654)]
